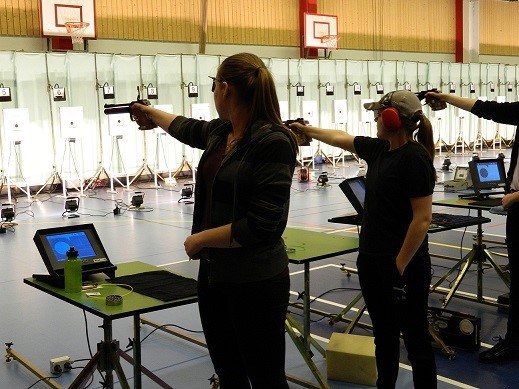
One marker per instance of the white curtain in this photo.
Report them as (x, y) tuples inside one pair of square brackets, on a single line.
[(44, 151)]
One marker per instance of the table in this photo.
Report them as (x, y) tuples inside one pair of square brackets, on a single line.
[(134, 304), (478, 255), (304, 247)]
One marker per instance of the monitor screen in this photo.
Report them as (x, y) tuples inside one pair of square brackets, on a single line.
[(61, 243), (53, 244), (487, 173), (359, 190), (355, 191)]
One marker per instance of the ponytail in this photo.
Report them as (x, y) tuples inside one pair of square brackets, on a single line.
[(419, 129)]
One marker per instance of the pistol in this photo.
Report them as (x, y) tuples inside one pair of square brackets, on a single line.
[(436, 105), (302, 138), (142, 119)]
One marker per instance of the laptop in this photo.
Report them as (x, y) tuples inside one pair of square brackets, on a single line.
[(53, 244), (354, 189)]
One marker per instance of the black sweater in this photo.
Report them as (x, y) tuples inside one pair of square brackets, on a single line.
[(251, 190)]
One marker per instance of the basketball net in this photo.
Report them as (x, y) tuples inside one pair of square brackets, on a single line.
[(330, 41), (76, 30)]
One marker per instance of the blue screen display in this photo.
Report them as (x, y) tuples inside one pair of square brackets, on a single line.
[(61, 243), (489, 172)]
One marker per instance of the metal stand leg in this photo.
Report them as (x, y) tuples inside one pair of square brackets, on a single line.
[(52, 178), (27, 189), (479, 254), (303, 342), (181, 171), (142, 169), (100, 171), (116, 148)]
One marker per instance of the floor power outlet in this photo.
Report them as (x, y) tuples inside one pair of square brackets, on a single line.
[(60, 364)]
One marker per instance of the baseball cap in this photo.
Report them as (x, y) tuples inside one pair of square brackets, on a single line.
[(404, 101)]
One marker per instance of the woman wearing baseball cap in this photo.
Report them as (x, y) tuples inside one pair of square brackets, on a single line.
[(393, 264)]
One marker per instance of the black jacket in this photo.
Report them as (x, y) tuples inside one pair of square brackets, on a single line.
[(251, 190)]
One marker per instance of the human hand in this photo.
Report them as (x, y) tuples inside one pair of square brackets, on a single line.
[(139, 113), (509, 199), (299, 128), (436, 100), (399, 284)]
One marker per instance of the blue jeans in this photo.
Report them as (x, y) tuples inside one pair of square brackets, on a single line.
[(391, 313)]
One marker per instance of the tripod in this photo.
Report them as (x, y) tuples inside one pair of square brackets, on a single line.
[(184, 166), (54, 175), (440, 143), (144, 167), (479, 141), (460, 141), (106, 359), (478, 256), (27, 190), (71, 143), (158, 143), (115, 147)]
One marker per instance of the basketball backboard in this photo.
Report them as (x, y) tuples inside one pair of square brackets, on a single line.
[(317, 26), (55, 13)]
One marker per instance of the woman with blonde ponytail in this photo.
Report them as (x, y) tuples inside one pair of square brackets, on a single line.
[(394, 266)]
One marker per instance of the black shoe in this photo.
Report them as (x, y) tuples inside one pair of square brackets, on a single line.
[(501, 352)]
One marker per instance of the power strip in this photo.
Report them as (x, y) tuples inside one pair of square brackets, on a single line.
[(60, 365)]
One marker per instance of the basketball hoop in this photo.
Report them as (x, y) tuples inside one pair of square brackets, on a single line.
[(76, 30), (330, 41)]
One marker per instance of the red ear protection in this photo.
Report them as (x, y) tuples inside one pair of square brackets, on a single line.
[(391, 119)]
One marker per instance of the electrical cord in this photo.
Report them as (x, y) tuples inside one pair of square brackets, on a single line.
[(103, 379), (44, 379), (300, 296), (130, 344), (334, 290)]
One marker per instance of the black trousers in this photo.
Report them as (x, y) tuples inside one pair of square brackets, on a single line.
[(391, 313), (244, 327), (512, 243)]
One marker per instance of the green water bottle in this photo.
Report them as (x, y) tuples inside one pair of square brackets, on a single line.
[(73, 276)]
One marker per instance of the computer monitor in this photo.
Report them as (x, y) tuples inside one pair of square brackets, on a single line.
[(487, 174), (355, 191), (53, 244)]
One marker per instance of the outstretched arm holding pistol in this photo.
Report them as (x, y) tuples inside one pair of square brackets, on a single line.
[(335, 138), (465, 103), (142, 112), (148, 117)]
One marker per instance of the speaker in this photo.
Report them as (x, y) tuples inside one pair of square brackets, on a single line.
[(391, 119)]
